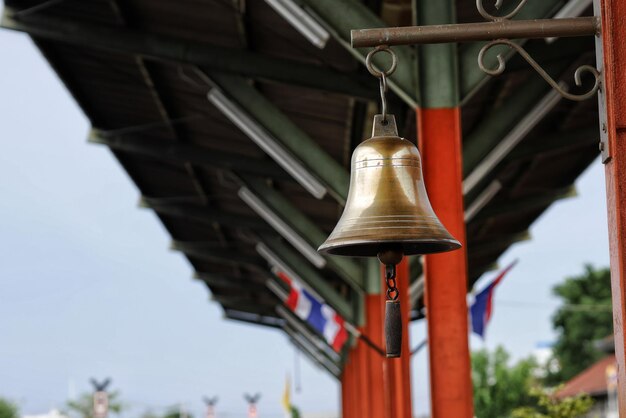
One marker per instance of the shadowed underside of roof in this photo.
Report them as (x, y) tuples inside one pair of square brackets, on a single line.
[(141, 71)]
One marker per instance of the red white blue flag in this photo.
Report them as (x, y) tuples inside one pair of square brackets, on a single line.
[(482, 308), (316, 313)]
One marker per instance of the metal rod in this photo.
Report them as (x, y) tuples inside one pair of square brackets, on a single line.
[(469, 32)]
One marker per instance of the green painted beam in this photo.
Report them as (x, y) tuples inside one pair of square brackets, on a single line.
[(341, 16), (472, 77), (350, 270), (210, 57), (264, 299), (526, 203), (254, 319), (438, 66), (305, 149), (227, 282), (187, 153), (311, 276), (556, 143), (203, 215), (497, 122), (212, 252), (494, 244)]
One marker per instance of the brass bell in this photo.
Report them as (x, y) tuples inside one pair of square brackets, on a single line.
[(387, 213)]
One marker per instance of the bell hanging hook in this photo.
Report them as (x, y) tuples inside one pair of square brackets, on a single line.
[(382, 75)]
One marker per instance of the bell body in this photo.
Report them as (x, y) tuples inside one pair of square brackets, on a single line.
[(387, 206)]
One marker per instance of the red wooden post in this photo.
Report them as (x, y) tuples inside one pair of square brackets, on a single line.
[(439, 135), (613, 14), (398, 372), (373, 386)]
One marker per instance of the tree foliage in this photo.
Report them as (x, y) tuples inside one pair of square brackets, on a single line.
[(498, 387), (82, 407), (8, 409), (295, 412), (176, 413), (550, 407), (584, 318)]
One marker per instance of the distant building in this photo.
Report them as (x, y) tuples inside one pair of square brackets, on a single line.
[(598, 381)]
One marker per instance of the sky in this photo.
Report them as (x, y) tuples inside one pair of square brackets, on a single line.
[(88, 287)]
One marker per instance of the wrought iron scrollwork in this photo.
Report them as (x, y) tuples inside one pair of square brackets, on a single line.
[(555, 85), (498, 5), (501, 62)]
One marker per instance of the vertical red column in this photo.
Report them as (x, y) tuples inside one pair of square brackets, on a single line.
[(373, 386), (397, 371), (613, 15), (439, 135)]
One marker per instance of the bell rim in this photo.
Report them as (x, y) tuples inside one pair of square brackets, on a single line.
[(454, 244)]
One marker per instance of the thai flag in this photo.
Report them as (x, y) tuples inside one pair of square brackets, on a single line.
[(482, 308), (317, 314)]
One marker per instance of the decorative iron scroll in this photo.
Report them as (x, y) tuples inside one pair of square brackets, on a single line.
[(498, 5), (577, 75), (501, 63)]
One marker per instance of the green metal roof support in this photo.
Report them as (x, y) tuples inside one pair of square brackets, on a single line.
[(497, 243), (292, 138), (341, 16), (212, 251), (350, 270), (528, 203), (472, 77), (186, 153), (438, 64), (498, 122), (203, 214)]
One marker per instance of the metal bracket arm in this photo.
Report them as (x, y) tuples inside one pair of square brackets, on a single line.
[(498, 30), (482, 31)]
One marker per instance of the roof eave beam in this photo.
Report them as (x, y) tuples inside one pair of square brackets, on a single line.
[(528, 203), (300, 147), (186, 153), (208, 251), (213, 58), (496, 243), (297, 225), (203, 215)]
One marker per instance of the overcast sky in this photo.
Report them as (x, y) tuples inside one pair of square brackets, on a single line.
[(88, 286)]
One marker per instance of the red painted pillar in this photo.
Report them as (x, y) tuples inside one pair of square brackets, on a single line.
[(373, 386), (439, 136), (397, 371), (613, 14)]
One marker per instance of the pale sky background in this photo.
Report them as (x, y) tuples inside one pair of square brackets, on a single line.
[(88, 286)]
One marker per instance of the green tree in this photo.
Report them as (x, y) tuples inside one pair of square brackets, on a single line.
[(550, 407), (295, 412), (82, 407), (8, 409), (584, 318), (498, 387), (175, 412)]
